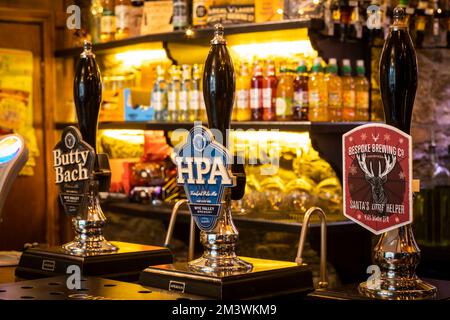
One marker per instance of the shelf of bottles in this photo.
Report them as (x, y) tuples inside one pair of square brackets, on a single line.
[(189, 35)]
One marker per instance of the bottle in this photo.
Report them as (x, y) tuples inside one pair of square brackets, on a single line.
[(159, 95), (122, 11), (362, 92), (200, 13), (348, 92), (317, 93), (243, 94), (108, 21), (173, 91), (300, 105), (440, 200), (194, 95), (183, 95), (285, 95), (96, 20), (137, 12), (421, 23), (256, 92), (334, 84), (180, 14), (398, 74), (197, 86), (270, 83)]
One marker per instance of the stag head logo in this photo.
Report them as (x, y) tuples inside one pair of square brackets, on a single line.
[(377, 181)]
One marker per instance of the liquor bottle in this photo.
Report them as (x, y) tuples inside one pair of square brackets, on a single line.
[(243, 94), (96, 20), (334, 84), (180, 14), (219, 95), (173, 91), (317, 93), (256, 92), (437, 12), (198, 85), (328, 17), (200, 13), (398, 74), (356, 19), (362, 92), (183, 95), (159, 95), (345, 17), (300, 106), (421, 23), (285, 95), (108, 22), (270, 83), (122, 11), (194, 95), (348, 92), (137, 11), (439, 214)]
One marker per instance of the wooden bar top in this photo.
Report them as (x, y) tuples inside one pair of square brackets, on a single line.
[(7, 274)]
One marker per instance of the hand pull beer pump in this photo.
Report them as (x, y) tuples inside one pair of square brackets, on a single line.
[(81, 174), (211, 182)]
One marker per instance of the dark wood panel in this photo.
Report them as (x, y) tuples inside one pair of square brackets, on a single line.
[(29, 212)]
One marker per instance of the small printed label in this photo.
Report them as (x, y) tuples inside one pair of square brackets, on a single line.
[(194, 100), (122, 17), (172, 100), (48, 265), (255, 98), (281, 106), (177, 286), (362, 100), (267, 98), (301, 98), (157, 100), (334, 99), (348, 98), (183, 100), (242, 97), (314, 99), (108, 24)]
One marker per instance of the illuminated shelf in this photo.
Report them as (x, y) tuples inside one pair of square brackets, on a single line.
[(293, 126), (204, 33), (163, 213)]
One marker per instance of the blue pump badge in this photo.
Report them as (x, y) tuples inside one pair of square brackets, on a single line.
[(9, 148), (203, 168)]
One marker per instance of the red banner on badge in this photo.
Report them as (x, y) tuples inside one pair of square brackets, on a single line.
[(377, 169)]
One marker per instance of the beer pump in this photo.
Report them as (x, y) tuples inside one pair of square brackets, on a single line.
[(211, 182), (396, 252), (378, 185), (81, 174), (13, 156)]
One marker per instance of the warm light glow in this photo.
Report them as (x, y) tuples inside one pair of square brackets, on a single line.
[(300, 12), (189, 32), (316, 1), (439, 10), (131, 136), (270, 139), (280, 11), (135, 58), (267, 49)]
